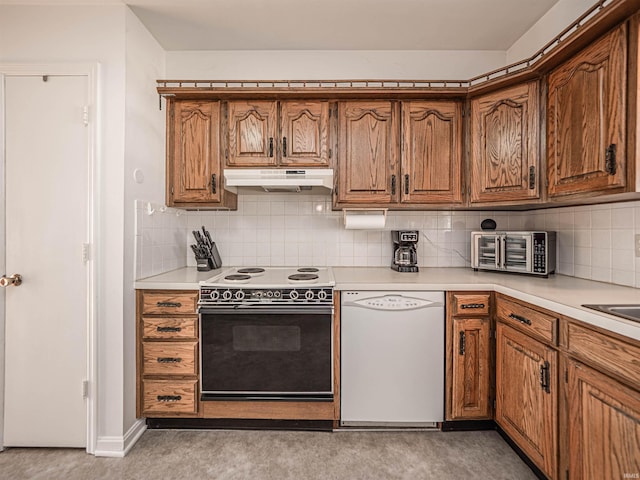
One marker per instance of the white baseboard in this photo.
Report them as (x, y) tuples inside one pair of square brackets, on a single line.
[(120, 446)]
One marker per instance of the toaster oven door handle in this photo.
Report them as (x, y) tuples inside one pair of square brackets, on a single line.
[(498, 251), (503, 251)]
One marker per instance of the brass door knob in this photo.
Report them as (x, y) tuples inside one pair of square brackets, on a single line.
[(15, 280)]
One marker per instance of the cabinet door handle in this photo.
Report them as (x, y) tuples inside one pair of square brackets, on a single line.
[(393, 184), (610, 159), (169, 359), (406, 184), (169, 329), (462, 343), (544, 377), (284, 146), (523, 320), (169, 398), (271, 146), (472, 305), (169, 304), (213, 183)]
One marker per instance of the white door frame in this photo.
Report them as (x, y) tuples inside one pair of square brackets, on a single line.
[(91, 71)]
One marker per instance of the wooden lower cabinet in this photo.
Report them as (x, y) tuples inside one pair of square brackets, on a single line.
[(603, 426), (471, 366), (526, 396), (469, 356)]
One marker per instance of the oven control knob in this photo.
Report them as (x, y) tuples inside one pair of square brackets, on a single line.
[(293, 295), (226, 295), (269, 293), (239, 295), (308, 294), (322, 295), (277, 294), (215, 294)]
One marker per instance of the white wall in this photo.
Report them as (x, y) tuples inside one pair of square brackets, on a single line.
[(331, 65), (144, 151), (67, 34), (559, 17)]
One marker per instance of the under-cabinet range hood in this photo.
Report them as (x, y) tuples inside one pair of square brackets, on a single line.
[(279, 179)]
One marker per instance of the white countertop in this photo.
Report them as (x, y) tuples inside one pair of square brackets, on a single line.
[(559, 293)]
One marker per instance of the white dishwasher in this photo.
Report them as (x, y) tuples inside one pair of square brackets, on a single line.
[(392, 358)]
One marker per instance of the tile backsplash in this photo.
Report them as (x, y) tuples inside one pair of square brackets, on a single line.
[(594, 242)]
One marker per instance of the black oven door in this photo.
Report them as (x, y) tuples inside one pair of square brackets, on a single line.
[(266, 353)]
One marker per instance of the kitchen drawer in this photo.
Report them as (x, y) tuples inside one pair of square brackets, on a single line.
[(169, 327), (169, 396), (532, 322), (470, 304), (169, 303), (169, 358), (605, 353)]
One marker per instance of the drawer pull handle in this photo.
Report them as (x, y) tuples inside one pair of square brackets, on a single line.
[(472, 305), (169, 398), (169, 359), (524, 320), (544, 377), (169, 304), (169, 329)]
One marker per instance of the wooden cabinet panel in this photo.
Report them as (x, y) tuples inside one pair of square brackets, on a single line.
[(164, 328), (252, 133), (169, 358), (471, 368), (368, 145), (505, 137), (304, 133), (470, 304), (431, 152), (532, 322), (193, 153), (586, 119), (608, 354), (169, 302), (526, 396), (604, 426), (169, 397)]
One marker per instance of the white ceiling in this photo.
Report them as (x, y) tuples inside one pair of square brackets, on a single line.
[(331, 24)]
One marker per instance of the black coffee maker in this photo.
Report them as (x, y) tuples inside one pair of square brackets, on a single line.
[(405, 255)]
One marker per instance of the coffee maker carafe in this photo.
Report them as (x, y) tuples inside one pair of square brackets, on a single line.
[(405, 255)]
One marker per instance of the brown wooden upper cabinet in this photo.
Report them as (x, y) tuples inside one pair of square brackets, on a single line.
[(586, 119), (377, 167), (193, 155), (505, 137), (431, 167), (271, 133), (368, 152)]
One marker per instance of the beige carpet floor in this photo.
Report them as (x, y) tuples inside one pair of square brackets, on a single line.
[(278, 455)]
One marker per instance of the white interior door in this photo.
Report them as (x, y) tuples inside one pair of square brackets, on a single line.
[(46, 212)]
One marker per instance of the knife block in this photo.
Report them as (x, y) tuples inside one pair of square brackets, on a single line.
[(204, 264)]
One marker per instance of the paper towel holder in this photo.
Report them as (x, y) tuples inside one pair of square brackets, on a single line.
[(375, 212)]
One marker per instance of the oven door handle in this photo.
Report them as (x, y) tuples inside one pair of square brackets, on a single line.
[(324, 310)]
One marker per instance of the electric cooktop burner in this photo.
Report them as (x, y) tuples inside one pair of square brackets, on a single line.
[(251, 270), (303, 277), (237, 278), (308, 270)]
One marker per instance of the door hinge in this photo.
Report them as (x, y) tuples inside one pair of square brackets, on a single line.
[(532, 178), (330, 153), (610, 159), (85, 389), (86, 252), (85, 115), (171, 190), (494, 404)]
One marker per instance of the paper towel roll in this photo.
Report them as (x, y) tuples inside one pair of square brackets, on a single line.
[(360, 221)]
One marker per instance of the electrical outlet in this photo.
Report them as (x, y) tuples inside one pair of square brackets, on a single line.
[(637, 244)]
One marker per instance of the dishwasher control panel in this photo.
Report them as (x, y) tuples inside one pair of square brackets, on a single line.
[(389, 302)]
